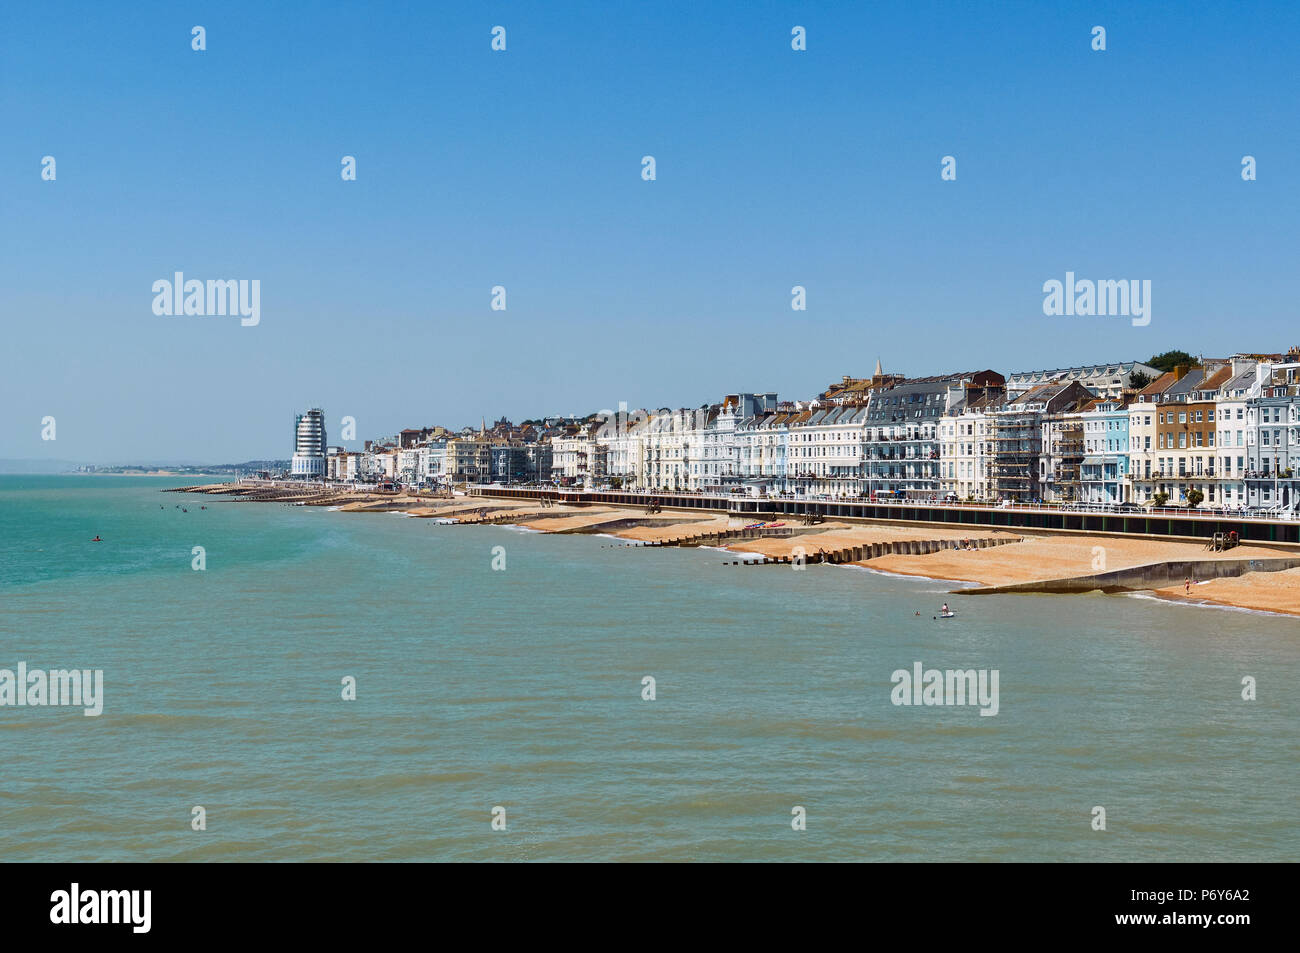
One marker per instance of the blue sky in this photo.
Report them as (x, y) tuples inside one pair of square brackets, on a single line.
[(478, 168)]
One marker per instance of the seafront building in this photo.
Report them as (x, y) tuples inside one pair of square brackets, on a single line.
[(1230, 421), (1221, 432), (665, 452), (966, 441), (1104, 380), (468, 459), (1063, 453), (309, 441), (1021, 471), (901, 440), (1103, 472), (1273, 435)]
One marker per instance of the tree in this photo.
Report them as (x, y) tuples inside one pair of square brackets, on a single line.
[(1194, 498), (1170, 359), (1138, 380), (1160, 499)]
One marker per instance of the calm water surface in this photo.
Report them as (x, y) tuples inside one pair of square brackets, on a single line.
[(522, 688)]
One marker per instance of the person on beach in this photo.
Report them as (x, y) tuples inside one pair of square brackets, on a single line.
[(1187, 586)]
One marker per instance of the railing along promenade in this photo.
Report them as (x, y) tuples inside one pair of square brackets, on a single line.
[(1170, 522)]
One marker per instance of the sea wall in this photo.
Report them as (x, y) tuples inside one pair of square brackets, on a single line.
[(1151, 576)]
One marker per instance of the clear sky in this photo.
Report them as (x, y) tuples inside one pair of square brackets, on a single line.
[(522, 168)]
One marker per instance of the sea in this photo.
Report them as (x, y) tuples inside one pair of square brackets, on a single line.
[(504, 708)]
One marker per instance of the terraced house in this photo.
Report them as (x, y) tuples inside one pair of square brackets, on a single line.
[(966, 442), (1182, 407), (716, 440), (762, 442), (665, 451), (1110, 381), (1273, 436), (901, 440), (1231, 424), (1144, 466), (1061, 464), (828, 448), (1019, 467), (1103, 471)]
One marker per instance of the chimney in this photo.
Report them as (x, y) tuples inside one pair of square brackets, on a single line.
[(1180, 371)]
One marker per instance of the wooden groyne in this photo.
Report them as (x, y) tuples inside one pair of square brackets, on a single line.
[(869, 551), (714, 538), (719, 537)]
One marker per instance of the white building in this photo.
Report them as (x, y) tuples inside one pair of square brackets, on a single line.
[(966, 446), (309, 446), (1273, 437), (762, 444), (828, 450), (664, 447), (578, 459), (1104, 380), (1232, 431)]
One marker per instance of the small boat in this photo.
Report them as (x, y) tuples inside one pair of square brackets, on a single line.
[(947, 615)]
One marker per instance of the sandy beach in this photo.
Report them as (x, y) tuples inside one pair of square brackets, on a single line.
[(1022, 556), (1263, 591)]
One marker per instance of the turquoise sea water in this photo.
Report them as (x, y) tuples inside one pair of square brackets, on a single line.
[(522, 688)]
